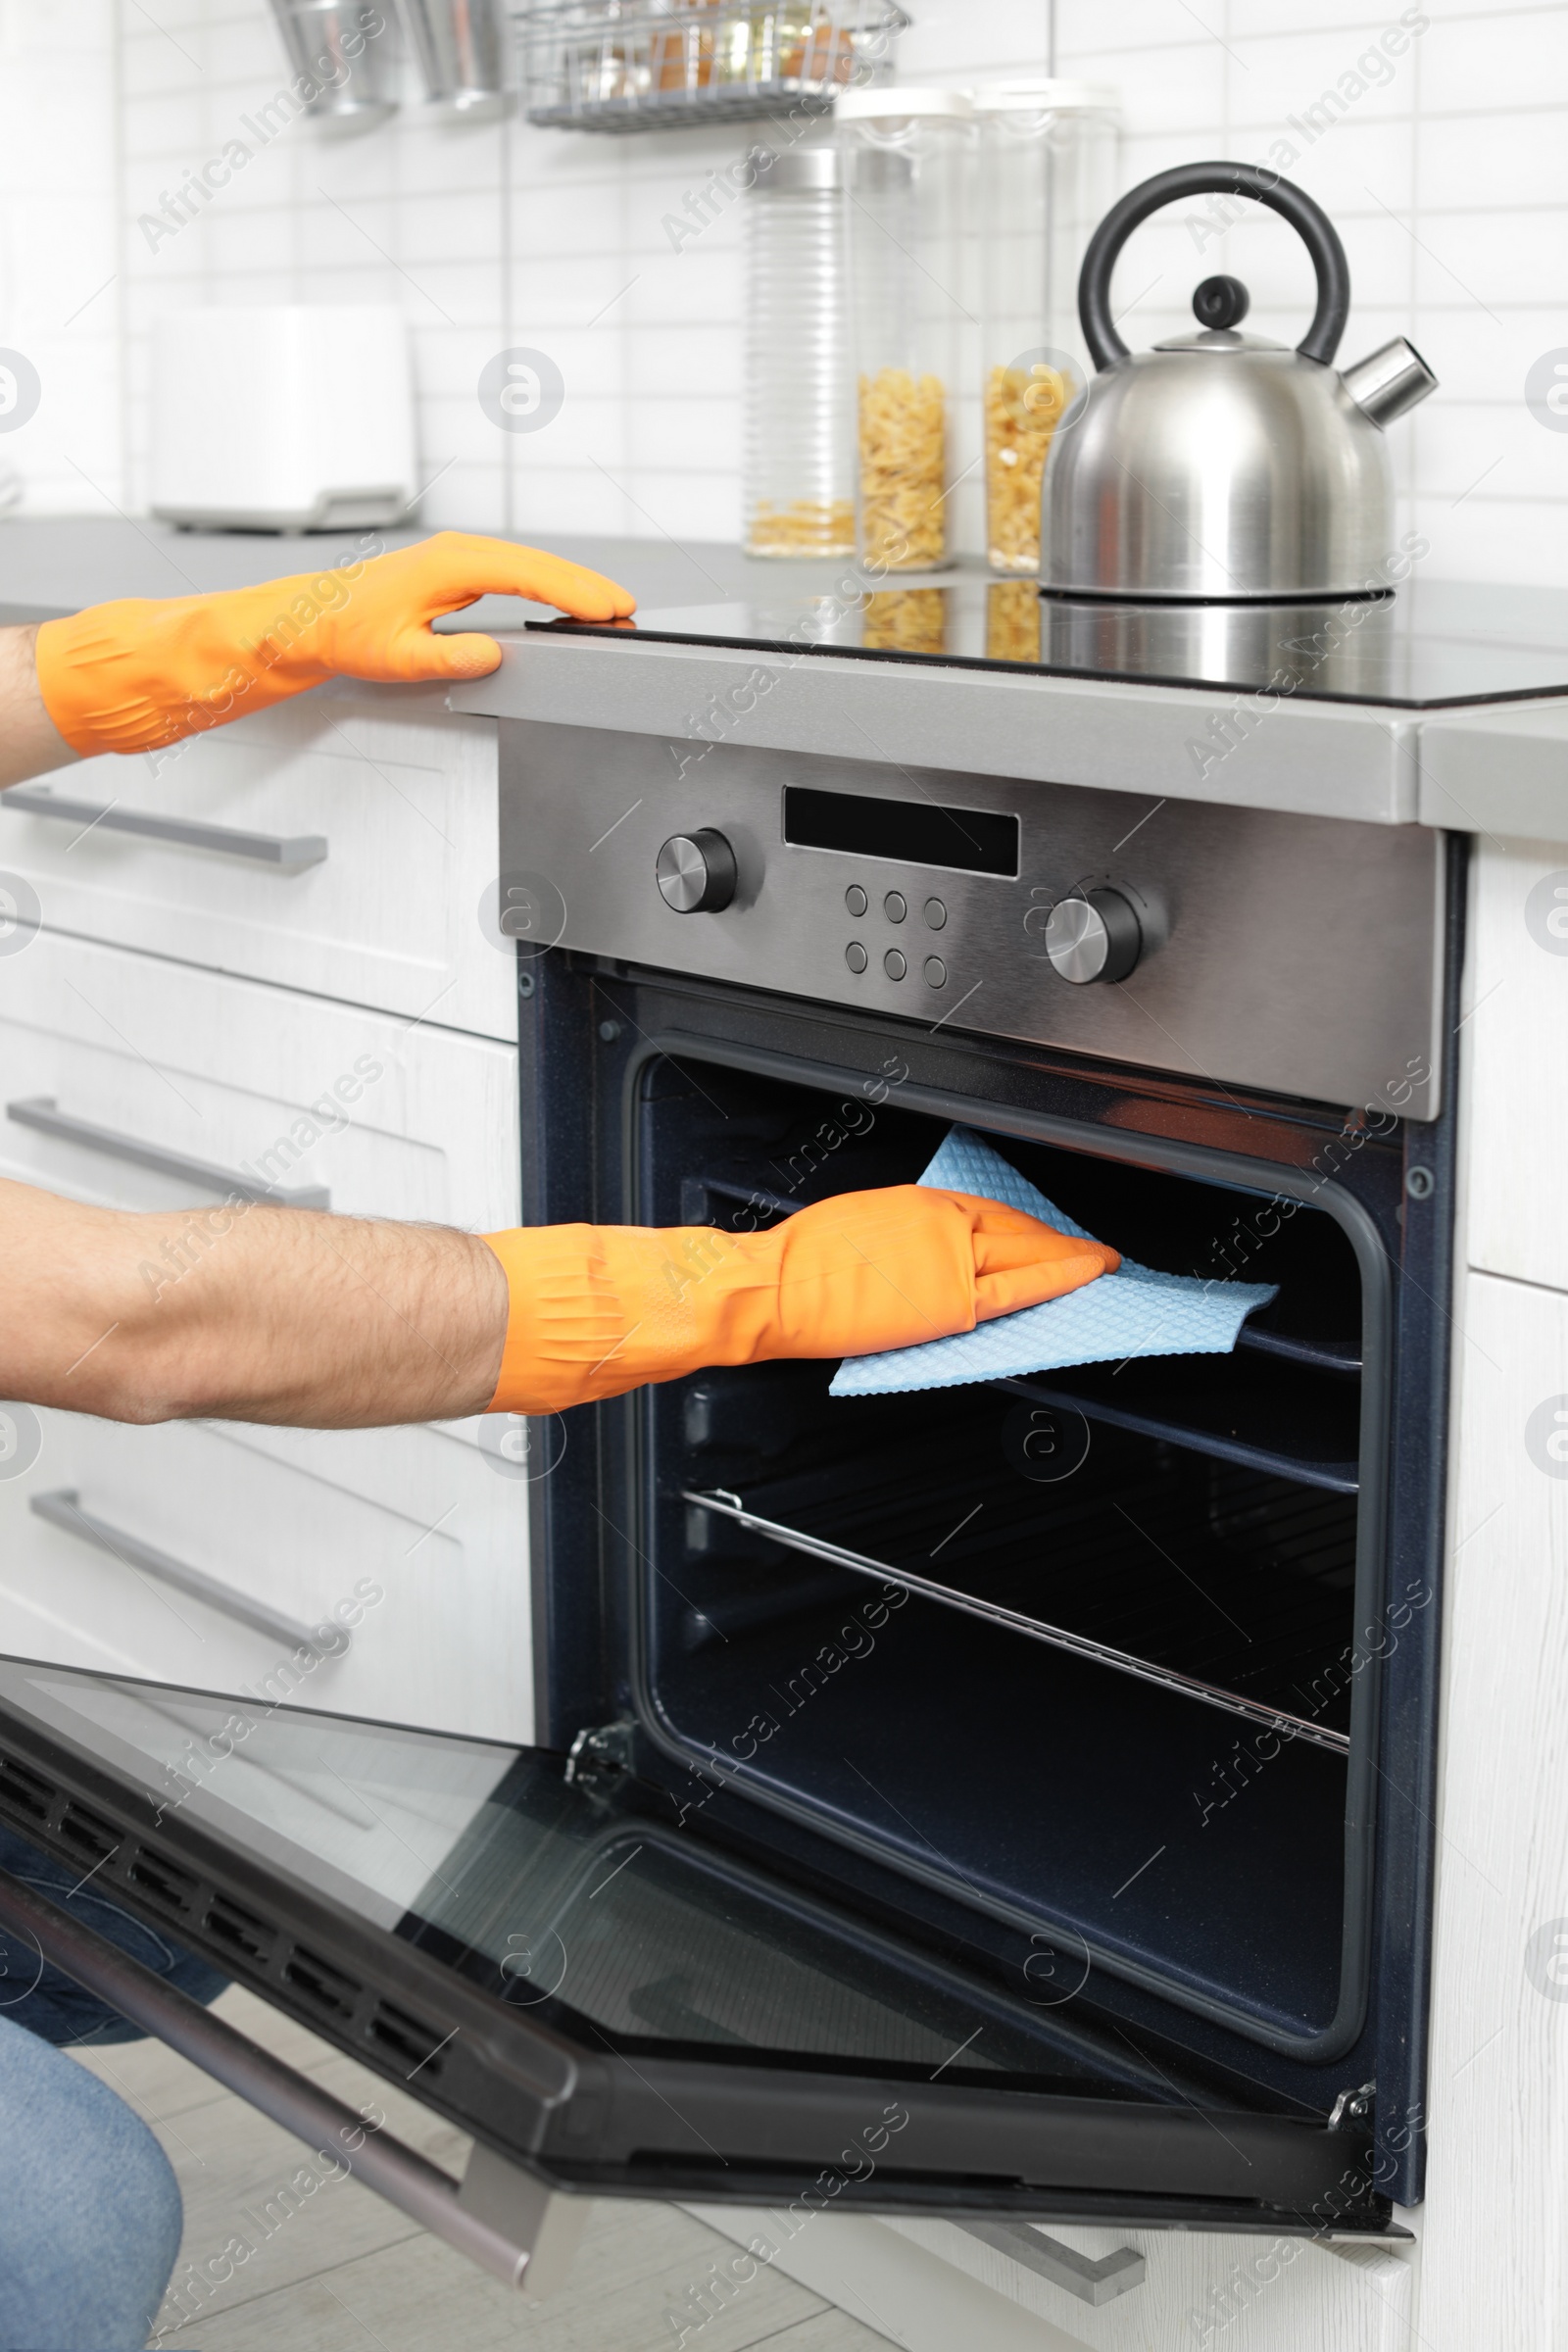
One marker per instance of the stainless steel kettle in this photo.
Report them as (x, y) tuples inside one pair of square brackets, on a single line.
[(1221, 467)]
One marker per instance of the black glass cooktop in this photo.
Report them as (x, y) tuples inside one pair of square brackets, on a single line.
[(1432, 645)]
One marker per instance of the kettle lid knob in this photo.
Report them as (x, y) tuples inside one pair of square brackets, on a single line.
[(1221, 302)]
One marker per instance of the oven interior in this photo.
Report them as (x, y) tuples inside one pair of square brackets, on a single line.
[(1202, 1517)]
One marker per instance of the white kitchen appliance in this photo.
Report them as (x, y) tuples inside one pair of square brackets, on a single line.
[(288, 418)]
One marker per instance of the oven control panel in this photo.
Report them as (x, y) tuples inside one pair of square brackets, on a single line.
[(888, 925), (1297, 953)]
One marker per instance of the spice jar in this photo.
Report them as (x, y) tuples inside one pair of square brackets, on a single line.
[(908, 160), (1048, 169), (683, 49), (798, 496)]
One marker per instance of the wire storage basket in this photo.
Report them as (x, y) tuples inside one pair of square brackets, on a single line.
[(648, 65)]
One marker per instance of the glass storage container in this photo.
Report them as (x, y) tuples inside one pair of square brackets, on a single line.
[(907, 161), (1047, 172), (799, 485)]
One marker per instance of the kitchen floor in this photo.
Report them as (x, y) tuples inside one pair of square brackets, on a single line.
[(341, 2271)]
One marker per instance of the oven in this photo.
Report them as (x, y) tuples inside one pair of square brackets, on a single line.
[(1005, 1800), (1112, 1687)]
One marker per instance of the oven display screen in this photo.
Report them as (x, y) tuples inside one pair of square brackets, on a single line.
[(976, 841)]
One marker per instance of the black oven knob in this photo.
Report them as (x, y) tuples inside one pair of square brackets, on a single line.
[(697, 872), (1096, 936)]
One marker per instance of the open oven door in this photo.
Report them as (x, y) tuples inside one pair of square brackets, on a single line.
[(617, 1999)]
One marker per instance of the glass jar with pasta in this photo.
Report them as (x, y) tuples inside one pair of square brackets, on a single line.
[(907, 163), (1048, 166)]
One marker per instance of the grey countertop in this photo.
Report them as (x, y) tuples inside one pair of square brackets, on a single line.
[(50, 566), (1500, 769)]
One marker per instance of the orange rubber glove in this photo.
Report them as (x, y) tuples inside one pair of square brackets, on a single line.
[(141, 673), (598, 1309)]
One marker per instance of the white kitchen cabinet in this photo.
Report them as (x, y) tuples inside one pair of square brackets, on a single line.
[(1495, 2225), (410, 1534), (1207, 2291), (248, 1079), (1202, 2290), (1516, 1027), (402, 794), (391, 1118)]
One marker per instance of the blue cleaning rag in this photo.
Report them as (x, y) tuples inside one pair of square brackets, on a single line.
[(1132, 1312)]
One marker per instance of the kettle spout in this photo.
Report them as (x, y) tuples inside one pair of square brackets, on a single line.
[(1387, 383)]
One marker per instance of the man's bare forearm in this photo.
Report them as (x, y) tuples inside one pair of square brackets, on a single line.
[(245, 1313), (29, 741)]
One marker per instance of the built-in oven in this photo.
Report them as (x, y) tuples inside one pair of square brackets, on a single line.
[(1113, 1685), (1005, 1798)]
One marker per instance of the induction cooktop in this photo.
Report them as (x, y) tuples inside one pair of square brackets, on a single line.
[(1428, 646)]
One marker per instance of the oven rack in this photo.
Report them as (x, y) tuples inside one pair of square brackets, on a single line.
[(1111, 1558), (1340, 1356), (1292, 1424), (725, 1503), (1283, 1420)]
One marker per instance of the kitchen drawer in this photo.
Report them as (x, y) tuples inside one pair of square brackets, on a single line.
[(402, 794), (1204, 2288), (388, 1117), (408, 1532), (927, 2282)]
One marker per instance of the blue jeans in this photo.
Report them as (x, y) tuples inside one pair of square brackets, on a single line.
[(91, 2212), (89, 2208)]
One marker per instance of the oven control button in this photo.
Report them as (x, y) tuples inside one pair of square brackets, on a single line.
[(855, 956), (1096, 936), (893, 965), (855, 899), (935, 972), (936, 916), (697, 872), (894, 907)]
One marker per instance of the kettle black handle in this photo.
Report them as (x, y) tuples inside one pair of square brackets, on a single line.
[(1310, 221)]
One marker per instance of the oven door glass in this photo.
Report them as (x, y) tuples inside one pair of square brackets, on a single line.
[(566, 1968)]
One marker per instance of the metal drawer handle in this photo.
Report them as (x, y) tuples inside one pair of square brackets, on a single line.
[(1091, 2281), (63, 1508), (498, 2216), (39, 1110), (289, 853)]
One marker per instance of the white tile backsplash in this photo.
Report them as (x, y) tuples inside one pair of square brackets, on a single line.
[(1433, 133), (59, 247), (1496, 61), (1495, 449), (1181, 89), (1276, 78), (1521, 259), (1516, 158)]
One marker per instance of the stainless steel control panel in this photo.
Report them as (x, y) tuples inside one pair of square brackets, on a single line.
[(1244, 947)]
